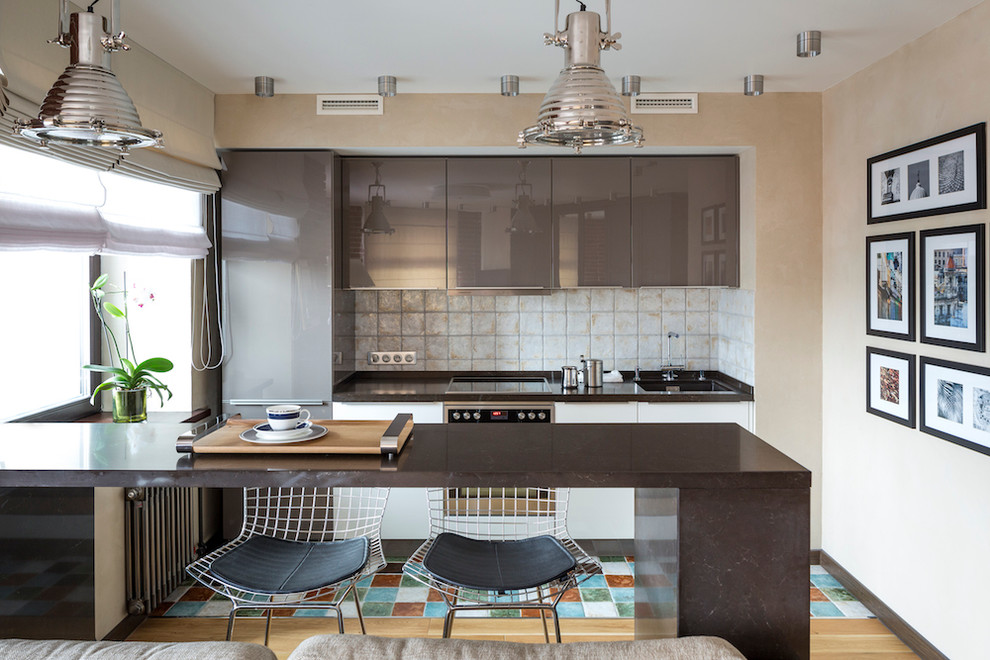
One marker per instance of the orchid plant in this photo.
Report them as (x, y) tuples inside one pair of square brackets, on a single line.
[(126, 374)]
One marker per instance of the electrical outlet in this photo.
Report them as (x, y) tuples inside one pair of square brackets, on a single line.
[(396, 358)]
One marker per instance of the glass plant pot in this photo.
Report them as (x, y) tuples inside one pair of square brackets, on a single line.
[(130, 405)]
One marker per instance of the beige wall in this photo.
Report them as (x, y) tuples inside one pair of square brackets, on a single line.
[(779, 138), (907, 513)]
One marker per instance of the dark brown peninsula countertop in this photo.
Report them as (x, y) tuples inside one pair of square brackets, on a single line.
[(714, 456), (430, 387)]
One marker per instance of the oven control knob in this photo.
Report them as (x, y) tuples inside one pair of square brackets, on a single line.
[(456, 415), (542, 415), (531, 415), (476, 415), (520, 415)]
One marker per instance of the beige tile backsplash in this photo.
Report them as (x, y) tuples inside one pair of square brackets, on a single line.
[(624, 327)]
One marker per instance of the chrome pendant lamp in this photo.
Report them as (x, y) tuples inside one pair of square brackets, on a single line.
[(4, 101), (582, 108), (522, 220), (376, 222), (87, 105)]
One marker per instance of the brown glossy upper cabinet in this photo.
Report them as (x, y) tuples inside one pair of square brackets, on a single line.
[(591, 221), (393, 213), (498, 223), (685, 221)]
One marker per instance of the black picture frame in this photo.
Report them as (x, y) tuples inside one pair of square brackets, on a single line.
[(890, 385), (890, 286), (953, 165), (955, 403), (957, 320)]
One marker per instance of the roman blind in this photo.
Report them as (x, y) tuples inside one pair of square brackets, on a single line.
[(47, 203)]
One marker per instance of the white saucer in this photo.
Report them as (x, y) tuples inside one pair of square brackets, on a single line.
[(264, 430), (283, 437)]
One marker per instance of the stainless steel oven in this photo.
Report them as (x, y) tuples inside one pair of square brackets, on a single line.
[(519, 411), (498, 413)]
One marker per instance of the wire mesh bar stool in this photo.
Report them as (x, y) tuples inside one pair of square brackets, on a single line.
[(500, 548), (298, 547)]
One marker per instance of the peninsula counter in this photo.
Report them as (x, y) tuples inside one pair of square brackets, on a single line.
[(722, 518)]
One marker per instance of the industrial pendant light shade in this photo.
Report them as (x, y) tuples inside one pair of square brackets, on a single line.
[(4, 101), (376, 222), (87, 104), (582, 108), (522, 220)]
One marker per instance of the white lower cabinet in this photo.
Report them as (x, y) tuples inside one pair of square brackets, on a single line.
[(406, 515), (599, 513), (739, 412)]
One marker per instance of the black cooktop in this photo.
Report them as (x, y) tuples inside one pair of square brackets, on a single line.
[(506, 385)]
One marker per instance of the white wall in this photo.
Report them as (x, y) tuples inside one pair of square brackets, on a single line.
[(908, 514)]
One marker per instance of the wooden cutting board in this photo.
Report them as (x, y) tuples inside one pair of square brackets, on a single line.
[(342, 437)]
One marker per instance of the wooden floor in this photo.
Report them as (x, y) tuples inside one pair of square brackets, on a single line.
[(830, 638)]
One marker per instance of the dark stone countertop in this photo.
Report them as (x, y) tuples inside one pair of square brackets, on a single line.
[(427, 386), (710, 456)]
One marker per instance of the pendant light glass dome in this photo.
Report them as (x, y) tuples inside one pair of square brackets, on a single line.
[(582, 108), (87, 104)]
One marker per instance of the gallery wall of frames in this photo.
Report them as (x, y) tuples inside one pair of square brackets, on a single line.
[(929, 287)]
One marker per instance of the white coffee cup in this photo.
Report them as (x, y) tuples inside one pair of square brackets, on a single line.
[(287, 417)]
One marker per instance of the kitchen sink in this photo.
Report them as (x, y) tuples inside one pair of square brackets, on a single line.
[(682, 386)]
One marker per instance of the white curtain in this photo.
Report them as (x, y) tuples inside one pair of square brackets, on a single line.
[(49, 204)]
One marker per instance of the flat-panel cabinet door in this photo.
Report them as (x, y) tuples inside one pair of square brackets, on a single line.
[(498, 223), (685, 221), (276, 233), (591, 221), (393, 214)]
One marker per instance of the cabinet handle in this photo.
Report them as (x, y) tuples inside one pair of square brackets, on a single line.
[(276, 402)]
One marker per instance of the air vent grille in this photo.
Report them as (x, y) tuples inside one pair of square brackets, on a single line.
[(348, 104), (665, 104)]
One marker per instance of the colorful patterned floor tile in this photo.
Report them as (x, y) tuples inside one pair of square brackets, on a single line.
[(392, 594)]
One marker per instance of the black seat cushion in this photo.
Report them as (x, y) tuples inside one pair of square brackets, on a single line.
[(267, 565), (497, 565)]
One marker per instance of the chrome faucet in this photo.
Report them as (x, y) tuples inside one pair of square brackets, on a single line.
[(668, 368)]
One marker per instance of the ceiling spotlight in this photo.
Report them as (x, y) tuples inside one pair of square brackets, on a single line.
[(753, 85), (809, 44), (582, 109), (264, 87), (510, 85), (4, 102), (87, 105), (386, 85), (630, 85)]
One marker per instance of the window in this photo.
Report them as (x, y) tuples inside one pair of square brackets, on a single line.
[(53, 217), (46, 331)]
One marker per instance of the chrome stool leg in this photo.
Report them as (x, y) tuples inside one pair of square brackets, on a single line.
[(543, 616), (358, 604), (230, 622), (268, 625)]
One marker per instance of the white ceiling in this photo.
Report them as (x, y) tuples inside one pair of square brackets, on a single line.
[(433, 46)]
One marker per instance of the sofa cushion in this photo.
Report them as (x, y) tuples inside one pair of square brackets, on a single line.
[(39, 649), (362, 647)]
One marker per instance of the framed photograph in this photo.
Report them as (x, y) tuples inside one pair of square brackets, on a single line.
[(945, 174), (708, 268), (890, 385), (952, 285), (955, 403), (708, 216), (890, 286)]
